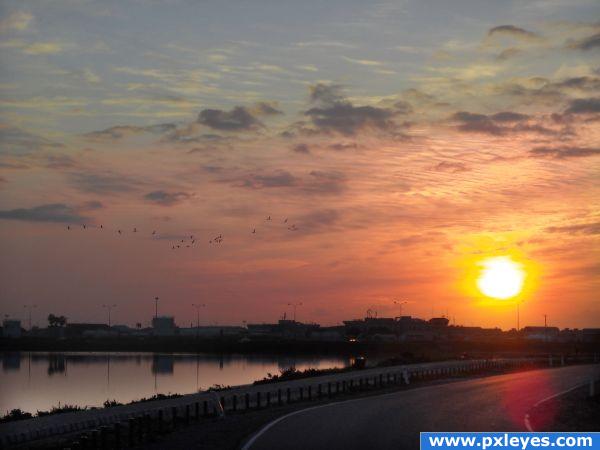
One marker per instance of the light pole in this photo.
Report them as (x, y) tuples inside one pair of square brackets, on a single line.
[(296, 304), (156, 307), (29, 307), (198, 306), (545, 328), (109, 307), (400, 303)]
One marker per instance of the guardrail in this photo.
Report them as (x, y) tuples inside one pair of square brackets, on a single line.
[(128, 425)]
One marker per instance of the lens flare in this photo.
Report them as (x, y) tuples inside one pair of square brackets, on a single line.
[(501, 278)]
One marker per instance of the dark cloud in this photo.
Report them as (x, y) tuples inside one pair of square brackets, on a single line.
[(512, 31), (322, 220), (343, 146), (19, 142), (165, 198), (450, 166), (316, 182), (60, 162), (301, 148), (102, 183), (325, 182), (238, 119), (267, 109), (326, 93), (335, 113), (281, 178), (508, 116), (500, 123), (588, 43), (347, 119), (584, 106), (564, 152), (508, 54), (584, 228), (54, 212), (121, 131)]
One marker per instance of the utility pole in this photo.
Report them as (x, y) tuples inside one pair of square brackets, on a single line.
[(545, 328), (198, 306), (109, 307), (29, 307), (156, 307), (295, 305)]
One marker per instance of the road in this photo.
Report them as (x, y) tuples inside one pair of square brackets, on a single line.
[(393, 421)]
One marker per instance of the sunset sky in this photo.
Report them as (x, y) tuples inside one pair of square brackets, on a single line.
[(405, 142)]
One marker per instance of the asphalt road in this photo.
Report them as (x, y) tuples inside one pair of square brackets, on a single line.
[(393, 421)]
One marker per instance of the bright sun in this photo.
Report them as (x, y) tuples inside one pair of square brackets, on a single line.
[(501, 277)]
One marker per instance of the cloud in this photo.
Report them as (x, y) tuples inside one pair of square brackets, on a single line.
[(266, 109), (325, 182), (564, 152), (17, 141), (301, 148), (17, 21), (35, 48), (512, 31), (60, 162), (281, 178), (342, 146), (102, 183), (54, 212), (508, 53), (584, 228), (500, 124), (336, 114), (237, 119), (318, 221), (584, 106), (451, 167), (121, 131), (165, 198), (588, 43)]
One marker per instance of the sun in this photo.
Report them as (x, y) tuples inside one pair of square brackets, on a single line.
[(501, 277)]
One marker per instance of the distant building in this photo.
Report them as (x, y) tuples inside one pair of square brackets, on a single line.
[(76, 330), (164, 326), (11, 328), (541, 333), (213, 331), (590, 335), (287, 329)]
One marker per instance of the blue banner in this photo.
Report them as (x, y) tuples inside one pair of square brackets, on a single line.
[(521, 441)]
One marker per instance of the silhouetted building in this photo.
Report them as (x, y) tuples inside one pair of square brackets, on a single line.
[(540, 333), (11, 328), (288, 329), (164, 326)]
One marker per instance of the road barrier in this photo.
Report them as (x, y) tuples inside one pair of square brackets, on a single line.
[(130, 425)]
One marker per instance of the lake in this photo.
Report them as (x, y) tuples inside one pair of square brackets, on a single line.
[(35, 381)]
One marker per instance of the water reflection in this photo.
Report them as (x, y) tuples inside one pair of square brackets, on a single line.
[(37, 380)]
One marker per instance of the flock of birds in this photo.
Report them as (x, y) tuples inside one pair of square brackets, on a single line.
[(191, 241)]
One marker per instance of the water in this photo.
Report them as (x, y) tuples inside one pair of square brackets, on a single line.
[(35, 381)]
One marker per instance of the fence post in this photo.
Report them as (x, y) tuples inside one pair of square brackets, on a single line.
[(205, 408), (247, 401), (302, 393), (268, 398), (160, 421), (174, 416), (320, 391), (289, 395), (309, 392), (234, 402), (258, 400), (197, 410), (279, 396), (328, 389), (117, 435)]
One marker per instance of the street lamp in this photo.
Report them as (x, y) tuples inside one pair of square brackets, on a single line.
[(198, 306), (109, 307), (29, 307), (156, 307), (296, 304), (400, 303)]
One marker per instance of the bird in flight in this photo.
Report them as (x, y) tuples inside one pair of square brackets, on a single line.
[(101, 227), (68, 227), (269, 218), (154, 232), (135, 230), (285, 221), (254, 231), (83, 226), (119, 231)]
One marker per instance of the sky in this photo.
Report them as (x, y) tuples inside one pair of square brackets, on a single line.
[(394, 145)]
